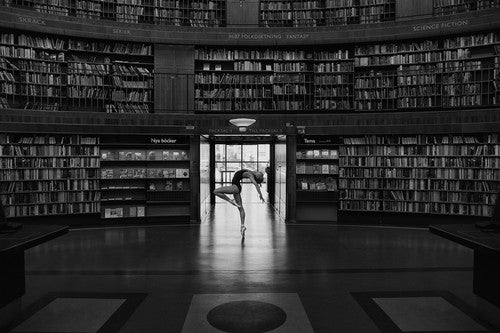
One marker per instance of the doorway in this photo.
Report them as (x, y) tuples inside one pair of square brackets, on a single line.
[(231, 157)]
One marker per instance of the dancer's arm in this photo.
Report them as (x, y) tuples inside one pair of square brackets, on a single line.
[(252, 179)]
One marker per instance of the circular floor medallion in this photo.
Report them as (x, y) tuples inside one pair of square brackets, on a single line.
[(246, 317)]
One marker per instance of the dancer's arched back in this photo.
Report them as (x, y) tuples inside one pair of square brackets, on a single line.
[(255, 178)]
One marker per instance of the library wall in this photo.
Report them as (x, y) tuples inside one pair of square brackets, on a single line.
[(174, 69), (242, 13), (410, 9)]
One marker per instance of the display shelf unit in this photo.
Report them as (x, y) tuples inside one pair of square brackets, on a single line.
[(55, 73), (317, 170), (144, 180), (450, 7), (314, 13), (433, 174), (49, 174), (194, 13)]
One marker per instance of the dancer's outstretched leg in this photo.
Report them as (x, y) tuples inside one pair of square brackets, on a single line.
[(222, 192), (237, 198)]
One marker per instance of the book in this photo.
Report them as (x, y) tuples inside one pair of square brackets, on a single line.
[(301, 168), (182, 173)]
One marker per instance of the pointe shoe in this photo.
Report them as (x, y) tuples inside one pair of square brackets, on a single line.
[(242, 231)]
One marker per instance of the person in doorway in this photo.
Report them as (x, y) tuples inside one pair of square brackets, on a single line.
[(255, 178)]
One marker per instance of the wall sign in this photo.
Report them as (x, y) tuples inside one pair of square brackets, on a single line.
[(264, 36), (440, 25), (117, 31), (248, 131), (157, 141), (31, 20)]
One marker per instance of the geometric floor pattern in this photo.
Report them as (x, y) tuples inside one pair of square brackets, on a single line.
[(78, 312), (419, 312), (201, 304)]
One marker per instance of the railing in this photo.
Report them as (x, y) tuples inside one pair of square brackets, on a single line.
[(366, 91)]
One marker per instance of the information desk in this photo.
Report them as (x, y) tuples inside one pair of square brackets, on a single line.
[(486, 246), (12, 278)]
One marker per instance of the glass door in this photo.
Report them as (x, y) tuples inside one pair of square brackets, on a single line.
[(230, 158)]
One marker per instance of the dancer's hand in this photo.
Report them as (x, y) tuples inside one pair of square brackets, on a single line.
[(262, 199)]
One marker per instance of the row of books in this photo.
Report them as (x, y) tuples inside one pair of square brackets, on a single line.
[(140, 173), (52, 197), (422, 140), (428, 46), (315, 154), (388, 184), (143, 155), (433, 197), (51, 150), (322, 169), (330, 104), (131, 96), (49, 140), (111, 47), (333, 92), (95, 95), (332, 67), (256, 54), (54, 185), (52, 209), (234, 93), (49, 162), (435, 173), (127, 108), (317, 184), (47, 174), (123, 212), (169, 185), (417, 207), (138, 83), (28, 53)]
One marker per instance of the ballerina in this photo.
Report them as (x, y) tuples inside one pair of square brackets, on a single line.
[(255, 178)]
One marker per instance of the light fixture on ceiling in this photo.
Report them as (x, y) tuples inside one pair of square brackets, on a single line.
[(242, 123)]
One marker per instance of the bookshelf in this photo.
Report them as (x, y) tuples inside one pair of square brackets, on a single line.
[(450, 7), (438, 174), (317, 171), (44, 175), (333, 80), (433, 74), (52, 73), (293, 80), (468, 78), (263, 80), (194, 13), (315, 13), (141, 179)]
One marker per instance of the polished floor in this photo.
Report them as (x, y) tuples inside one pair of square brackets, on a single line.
[(327, 270)]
